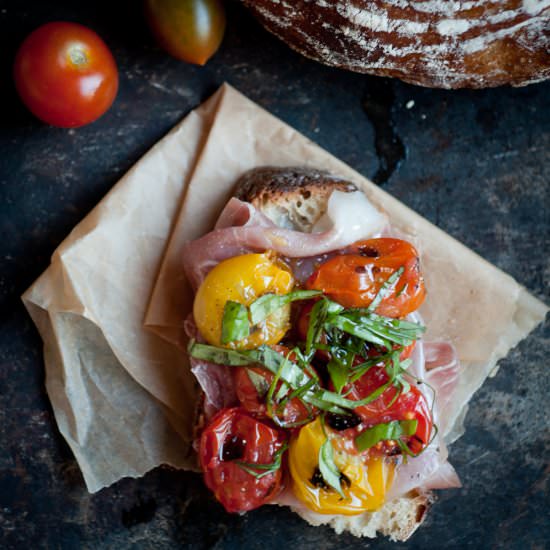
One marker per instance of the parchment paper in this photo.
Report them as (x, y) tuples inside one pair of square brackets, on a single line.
[(110, 308)]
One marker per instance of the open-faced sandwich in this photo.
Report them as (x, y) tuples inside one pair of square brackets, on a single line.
[(318, 389)]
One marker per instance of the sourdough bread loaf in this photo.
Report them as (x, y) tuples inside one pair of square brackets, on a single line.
[(434, 43)]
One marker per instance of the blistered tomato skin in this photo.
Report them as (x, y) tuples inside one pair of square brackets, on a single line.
[(354, 278), (364, 483), (243, 279), (408, 406), (234, 435)]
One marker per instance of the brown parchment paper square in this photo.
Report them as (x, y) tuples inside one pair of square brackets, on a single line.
[(111, 306)]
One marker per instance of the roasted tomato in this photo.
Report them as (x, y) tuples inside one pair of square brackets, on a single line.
[(408, 406), (364, 484), (353, 279), (191, 30), (243, 279), (65, 74), (252, 385), (230, 446)]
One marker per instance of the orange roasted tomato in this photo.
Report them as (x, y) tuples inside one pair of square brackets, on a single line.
[(354, 278), (190, 30), (364, 483), (243, 279), (65, 74), (230, 447)]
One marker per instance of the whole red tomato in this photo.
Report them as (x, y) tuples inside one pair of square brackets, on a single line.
[(233, 439), (353, 279), (65, 74), (190, 30)]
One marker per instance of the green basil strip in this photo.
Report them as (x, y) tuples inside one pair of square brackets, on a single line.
[(386, 288), (235, 324), (291, 373), (383, 432), (355, 329), (273, 361), (376, 329), (338, 374), (259, 382), (317, 317), (268, 303), (328, 468), (336, 399), (272, 387), (220, 356), (265, 469)]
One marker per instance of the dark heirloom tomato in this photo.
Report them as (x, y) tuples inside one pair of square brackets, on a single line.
[(65, 74), (354, 278), (254, 401), (191, 30), (234, 436), (408, 406)]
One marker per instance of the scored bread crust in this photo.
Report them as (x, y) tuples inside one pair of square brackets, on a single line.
[(435, 43), (295, 198)]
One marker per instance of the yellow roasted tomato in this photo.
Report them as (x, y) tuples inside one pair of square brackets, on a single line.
[(364, 484), (243, 279)]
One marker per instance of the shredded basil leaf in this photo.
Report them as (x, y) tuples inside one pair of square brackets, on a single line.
[(338, 374), (268, 303), (259, 382), (383, 432), (317, 317), (220, 356), (235, 324), (386, 288), (265, 469), (269, 399), (382, 331), (328, 469)]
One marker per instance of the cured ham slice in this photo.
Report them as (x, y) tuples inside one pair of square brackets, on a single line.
[(242, 229)]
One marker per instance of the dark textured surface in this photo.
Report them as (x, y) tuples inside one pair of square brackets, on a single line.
[(475, 163)]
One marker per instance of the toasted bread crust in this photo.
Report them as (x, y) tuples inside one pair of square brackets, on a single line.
[(397, 519), (272, 183), (294, 198)]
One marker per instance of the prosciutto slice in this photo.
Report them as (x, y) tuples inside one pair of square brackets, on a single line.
[(216, 381), (242, 229)]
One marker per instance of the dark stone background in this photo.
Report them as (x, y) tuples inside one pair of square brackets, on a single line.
[(475, 163)]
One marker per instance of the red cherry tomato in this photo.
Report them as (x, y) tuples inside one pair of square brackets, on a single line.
[(235, 436), (294, 412), (190, 30), (65, 74), (408, 406), (353, 279)]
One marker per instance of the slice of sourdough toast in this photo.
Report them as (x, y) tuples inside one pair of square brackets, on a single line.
[(295, 198)]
